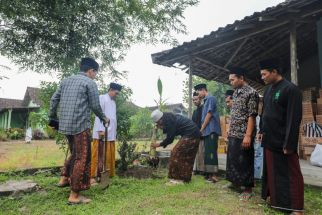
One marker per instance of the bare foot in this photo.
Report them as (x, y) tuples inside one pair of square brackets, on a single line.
[(296, 213), (93, 181), (214, 179)]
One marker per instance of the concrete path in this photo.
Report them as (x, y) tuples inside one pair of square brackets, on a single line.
[(312, 174)]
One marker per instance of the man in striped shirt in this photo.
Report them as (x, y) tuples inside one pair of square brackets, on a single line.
[(77, 96)]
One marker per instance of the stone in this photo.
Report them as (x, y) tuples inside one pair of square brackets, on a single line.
[(13, 188)]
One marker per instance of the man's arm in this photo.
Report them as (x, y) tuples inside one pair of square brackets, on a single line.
[(206, 121), (252, 106), (293, 120), (249, 132), (54, 102), (211, 108), (94, 102)]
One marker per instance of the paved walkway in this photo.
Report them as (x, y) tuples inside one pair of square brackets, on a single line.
[(312, 174)]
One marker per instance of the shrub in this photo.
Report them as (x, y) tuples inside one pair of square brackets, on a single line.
[(38, 134), (15, 133), (3, 135), (127, 155), (51, 133)]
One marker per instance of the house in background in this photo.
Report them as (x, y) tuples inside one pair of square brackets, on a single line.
[(174, 108), (14, 113)]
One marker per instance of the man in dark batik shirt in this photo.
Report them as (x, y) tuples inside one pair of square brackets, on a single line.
[(281, 118), (240, 155)]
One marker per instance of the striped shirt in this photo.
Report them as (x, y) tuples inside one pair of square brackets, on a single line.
[(76, 96)]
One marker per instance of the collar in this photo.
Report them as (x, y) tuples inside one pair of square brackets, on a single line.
[(276, 84), (242, 89), (208, 96)]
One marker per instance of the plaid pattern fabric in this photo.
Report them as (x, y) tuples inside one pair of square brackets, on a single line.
[(77, 96)]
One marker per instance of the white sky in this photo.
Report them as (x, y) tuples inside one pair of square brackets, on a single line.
[(143, 74)]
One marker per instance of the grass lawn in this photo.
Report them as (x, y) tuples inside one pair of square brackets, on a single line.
[(16, 155), (19, 155), (148, 196)]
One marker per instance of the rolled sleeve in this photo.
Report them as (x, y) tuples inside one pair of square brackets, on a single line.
[(211, 105)]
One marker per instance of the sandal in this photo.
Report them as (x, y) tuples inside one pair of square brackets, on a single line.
[(82, 200), (245, 196), (214, 179), (173, 182)]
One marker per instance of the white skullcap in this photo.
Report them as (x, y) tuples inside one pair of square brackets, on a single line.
[(156, 115)]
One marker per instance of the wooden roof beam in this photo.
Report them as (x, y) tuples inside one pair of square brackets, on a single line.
[(236, 52)]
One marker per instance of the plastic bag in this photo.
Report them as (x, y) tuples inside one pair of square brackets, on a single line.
[(316, 156)]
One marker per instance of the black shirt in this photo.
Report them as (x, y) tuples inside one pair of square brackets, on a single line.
[(196, 116), (174, 125), (282, 115)]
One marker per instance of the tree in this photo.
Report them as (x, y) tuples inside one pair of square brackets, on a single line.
[(141, 124), (214, 88), (52, 35)]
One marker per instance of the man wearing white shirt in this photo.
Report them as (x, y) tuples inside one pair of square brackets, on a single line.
[(107, 102)]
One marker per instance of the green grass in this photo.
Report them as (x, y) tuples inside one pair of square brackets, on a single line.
[(149, 196), (45, 153), (18, 155)]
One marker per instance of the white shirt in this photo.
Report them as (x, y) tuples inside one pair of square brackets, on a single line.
[(109, 109)]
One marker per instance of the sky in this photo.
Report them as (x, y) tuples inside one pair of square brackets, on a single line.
[(200, 20)]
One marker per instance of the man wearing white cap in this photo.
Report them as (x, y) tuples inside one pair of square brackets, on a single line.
[(184, 152)]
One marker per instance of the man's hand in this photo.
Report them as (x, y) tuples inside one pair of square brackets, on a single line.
[(287, 152), (106, 122), (101, 133), (202, 129), (259, 137), (155, 145), (246, 142)]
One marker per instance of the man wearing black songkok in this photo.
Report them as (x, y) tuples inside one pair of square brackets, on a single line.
[(281, 118), (229, 98), (240, 154)]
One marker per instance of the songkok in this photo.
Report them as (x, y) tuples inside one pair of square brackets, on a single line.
[(237, 71), (89, 63), (229, 93), (272, 63), (200, 86), (115, 86)]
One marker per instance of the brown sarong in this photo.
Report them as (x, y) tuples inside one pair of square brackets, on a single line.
[(78, 165), (182, 159)]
